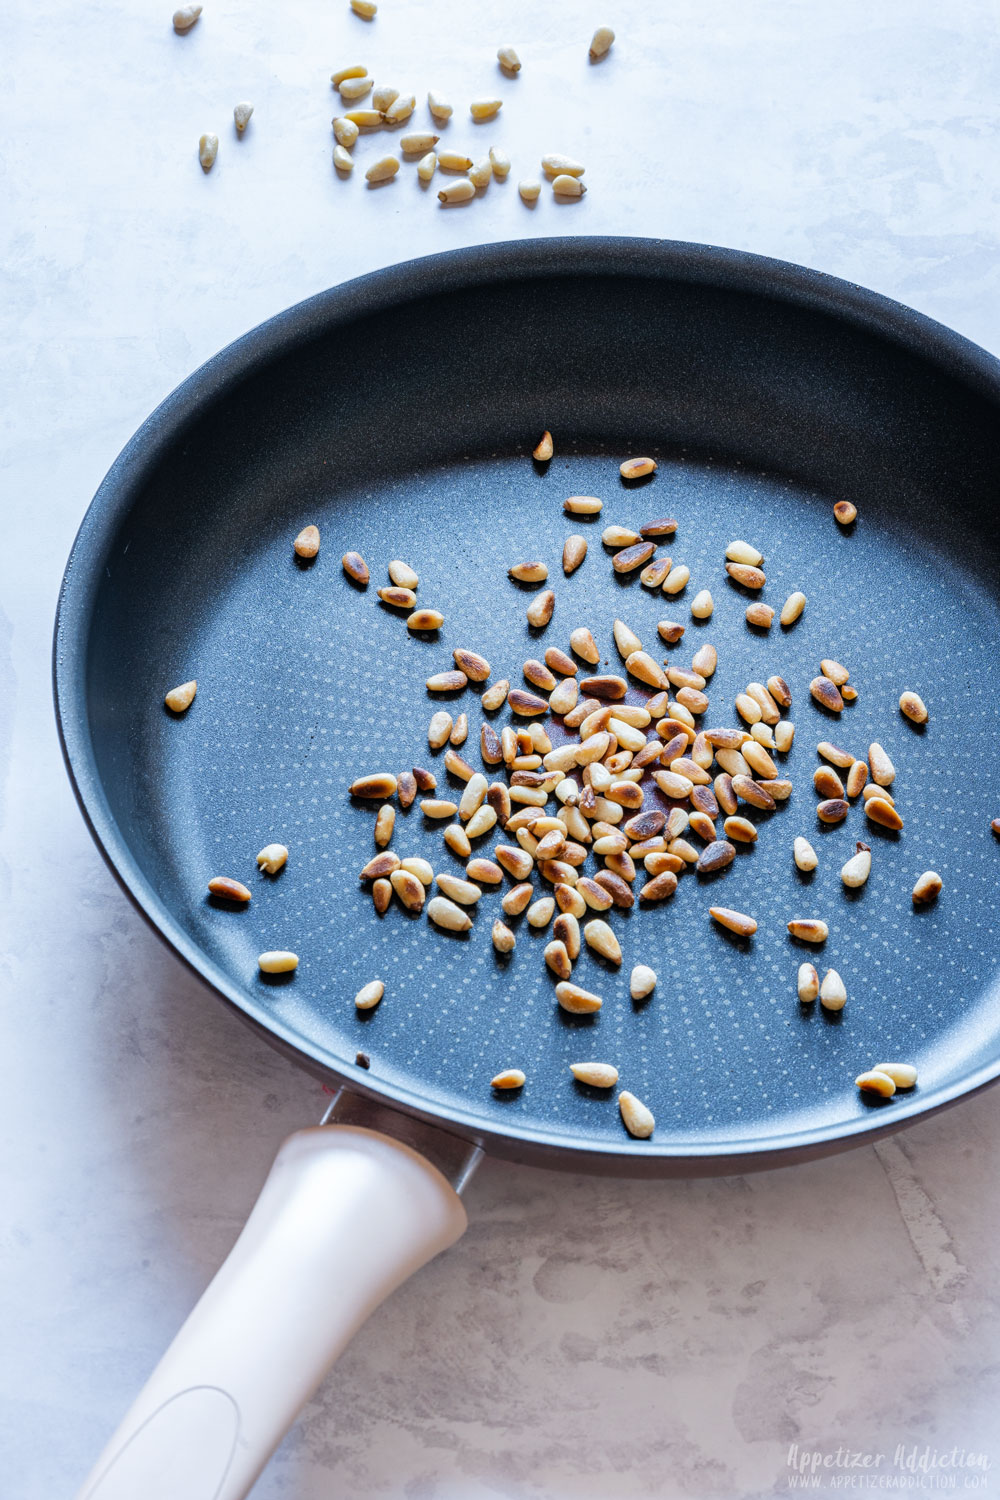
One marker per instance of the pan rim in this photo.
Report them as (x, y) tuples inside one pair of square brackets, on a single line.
[(502, 262)]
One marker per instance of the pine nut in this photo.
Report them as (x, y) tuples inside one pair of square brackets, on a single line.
[(574, 551), (439, 729), (185, 18), (808, 983), (912, 705), (278, 961), (792, 608), (676, 581), (524, 704), (481, 175), (740, 829), (856, 778), (566, 926), (421, 868), (584, 645), (637, 1119), (460, 731), (600, 45), (508, 60), (858, 868), (761, 763), (577, 1001), (227, 889), (565, 186), (544, 450), (832, 994), (208, 150), (379, 784), (384, 824), (500, 162), (723, 788), (306, 544), (539, 611), (408, 888), (742, 573), (481, 822), (784, 734), (529, 572), (381, 895), (180, 699), (826, 693), (346, 132), (903, 1075), (517, 899), (503, 938), (760, 615), (596, 897), (927, 888), (882, 769), (751, 791), (809, 930), (398, 598), (702, 605), (495, 696), (664, 526), (464, 892), (510, 1078), (715, 856), (419, 143), (705, 660), (732, 762), (734, 921), (485, 109), (436, 807), (876, 1082), (630, 558), (636, 468), (271, 858), (462, 191), (845, 512), (382, 170), (454, 161), (599, 936), (444, 913), (364, 119), (834, 810), (446, 682), (529, 189), (837, 674), (558, 166), (597, 1075), (379, 865), (763, 734), (833, 753), (748, 708), (827, 783), (538, 674), (871, 792), (439, 106), (743, 552), (366, 9), (804, 854), (557, 959), (355, 88), (880, 811), (357, 71), (540, 912), (384, 97), (369, 995), (779, 791)]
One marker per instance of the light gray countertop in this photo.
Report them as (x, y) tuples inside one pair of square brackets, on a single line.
[(586, 1339)]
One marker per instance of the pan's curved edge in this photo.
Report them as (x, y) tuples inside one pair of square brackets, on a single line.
[(511, 260)]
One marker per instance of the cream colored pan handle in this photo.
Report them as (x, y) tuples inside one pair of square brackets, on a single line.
[(345, 1216)]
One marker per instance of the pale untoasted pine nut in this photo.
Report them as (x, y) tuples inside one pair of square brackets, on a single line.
[(880, 810), (185, 18), (784, 734), (460, 731), (462, 191), (792, 608), (882, 769), (366, 9), (804, 854), (500, 162), (421, 868), (599, 936), (735, 921), (418, 143), (208, 150), (876, 1082), (446, 682), (180, 699), (676, 580), (503, 938), (743, 552), (539, 611), (748, 708), (565, 186), (530, 189), (508, 60), (485, 109), (481, 175), (540, 912), (881, 793), (344, 162), (364, 119), (439, 729), (444, 913), (858, 868), (837, 674), (583, 505), (625, 638), (481, 822), (241, 115), (510, 1078), (384, 96), (702, 605), (369, 995), (832, 993), (437, 807), (356, 71), (355, 88), (927, 888), (903, 1075), (383, 169), (438, 106), (271, 858), (555, 165), (427, 166), (600, 46), (808, 983), (464, 892), (912, 705), (637, 1119), (809, 930), (597, 1075), (346, 132), (278, 961), (381, 895), (384, 824), (760, 615)]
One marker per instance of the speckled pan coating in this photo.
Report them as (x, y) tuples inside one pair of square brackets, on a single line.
[(398, 413)]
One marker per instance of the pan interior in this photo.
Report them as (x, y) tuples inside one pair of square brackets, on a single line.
[(404, 434)]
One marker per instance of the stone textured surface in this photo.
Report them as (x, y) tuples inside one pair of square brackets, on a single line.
[(586, 1339)]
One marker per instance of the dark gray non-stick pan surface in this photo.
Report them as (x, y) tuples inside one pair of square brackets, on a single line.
[(398, 413)]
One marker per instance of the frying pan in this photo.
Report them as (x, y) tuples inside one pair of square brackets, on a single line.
[(398, 413)]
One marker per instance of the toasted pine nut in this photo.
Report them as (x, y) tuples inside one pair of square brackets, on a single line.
[(366, 9), (384, 824), (382, 170), (903, 1075), (543, 451), (379, 784), (439, 729), (740, 829), (584, 645), (444, 913), (804, 854), (833, 810), (530, 189), (346, 132), (676, 581), (870, 793), (355, 567), (228, 889), (600, 45), (912, 705), (882, 769), (379, 865), (761, 763), (510, 1078), (837, 674), (185, 18), (369, 995), (278, 961), (832, 994), (597, 1075), (599, 936), (879, 810), (508, 60), (439, 106), (425, 619), (858, 868), (566, 926), (540, 912), (875, 1082), (779, 791), (735, 921), (784, 734), (446, 682), (845, 512), (539, 611), (827, 783), (626, 639), (381, 895), (471, 664), (637, 1119), (809, 929), (180, 699), (494, 696), (742, 573), (760, 615), (715, 856), (503, 938), (808, 983), (582, 505), (927, 888), (557, 959), (485, 109), (565, 186), (437, 807), (517, 899), (425, 780), (856, 778), (356, 88), (826, 692), (635, 468), (576, 1000), (462, 191), (723, 788), (460, 731), (792, 608), (208, 150)]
